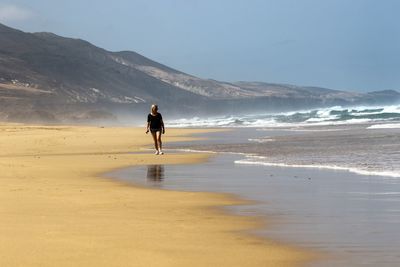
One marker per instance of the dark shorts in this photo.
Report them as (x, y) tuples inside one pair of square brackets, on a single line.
[(155, 130)]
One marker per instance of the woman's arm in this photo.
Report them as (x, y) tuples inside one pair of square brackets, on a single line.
[(148, 127), (162, 126)]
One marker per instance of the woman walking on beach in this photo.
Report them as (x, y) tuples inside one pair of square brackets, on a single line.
[(156, 127)]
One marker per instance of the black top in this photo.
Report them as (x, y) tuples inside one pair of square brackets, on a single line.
[(155, 121)]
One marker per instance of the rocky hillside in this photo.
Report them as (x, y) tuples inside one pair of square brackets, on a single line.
[(48, 77)]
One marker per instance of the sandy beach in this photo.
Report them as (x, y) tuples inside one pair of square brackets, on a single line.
[(57, 210)]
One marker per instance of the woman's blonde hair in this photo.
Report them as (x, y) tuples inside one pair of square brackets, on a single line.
[(154, 107)]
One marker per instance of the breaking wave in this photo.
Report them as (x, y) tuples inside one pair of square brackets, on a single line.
[(326, 116)]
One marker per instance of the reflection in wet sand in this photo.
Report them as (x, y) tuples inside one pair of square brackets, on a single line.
[(155, 173)]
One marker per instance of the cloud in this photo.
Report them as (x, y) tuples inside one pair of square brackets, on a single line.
[(11, 13)]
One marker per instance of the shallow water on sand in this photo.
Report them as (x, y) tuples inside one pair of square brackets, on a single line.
[(353, 147), (353, 217)]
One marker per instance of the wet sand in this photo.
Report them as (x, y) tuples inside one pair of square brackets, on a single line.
[(352, 217), (56, 210)]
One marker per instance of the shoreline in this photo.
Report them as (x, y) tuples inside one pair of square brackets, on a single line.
[(315, 209), (358, 171), (55, 206), (228, 144), (246, 160)]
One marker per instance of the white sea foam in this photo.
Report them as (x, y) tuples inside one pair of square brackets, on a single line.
[(316, 130), (376, 193), (261, 140), (259, 160), (195, 151), (318, 117), (385, 126)]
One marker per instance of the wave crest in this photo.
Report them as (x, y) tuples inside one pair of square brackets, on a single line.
[(322, 117)]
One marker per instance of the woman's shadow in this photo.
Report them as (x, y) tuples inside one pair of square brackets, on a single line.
[(155, 173)]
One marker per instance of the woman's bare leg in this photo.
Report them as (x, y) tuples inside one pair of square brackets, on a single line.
[(155, 140), (158, 134)]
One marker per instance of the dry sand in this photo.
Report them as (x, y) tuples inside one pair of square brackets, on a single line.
[(56, 210)]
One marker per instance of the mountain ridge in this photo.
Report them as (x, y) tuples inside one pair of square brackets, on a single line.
[(44, 76)]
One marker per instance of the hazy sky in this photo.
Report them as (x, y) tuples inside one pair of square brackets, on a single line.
[(339, 44)]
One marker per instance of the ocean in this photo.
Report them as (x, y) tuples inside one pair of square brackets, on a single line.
[(327, 179), (364, 140), (389, 115)]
